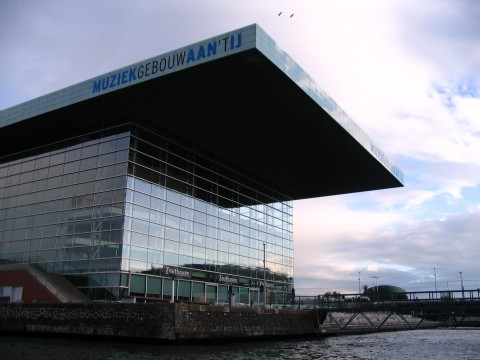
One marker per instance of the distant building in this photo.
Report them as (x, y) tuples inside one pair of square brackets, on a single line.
[(386, 292), (173, 178)]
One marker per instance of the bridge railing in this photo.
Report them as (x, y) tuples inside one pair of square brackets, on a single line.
[(453, 295), (411, 301)]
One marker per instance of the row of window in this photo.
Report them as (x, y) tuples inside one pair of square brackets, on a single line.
[(151, 148), (171, 237), (185, 290), (66, 154), (155, 214), (228, 200), (113, 237), (103, 218), (80, 227), (65, 174), (55, 261), (79, 181), (202, 256), (158, 209), (137, 211), (109, 258), (195, 179), (27, 184), (176, 216), (221, 240), (171, 227), (92, 148), (207, 249), (278, 210), (59, 242), (225, 254), (98, 231), (71, 209), (202, 200), (87, 188)]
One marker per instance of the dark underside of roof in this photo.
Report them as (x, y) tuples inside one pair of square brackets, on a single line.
[(243, 109)]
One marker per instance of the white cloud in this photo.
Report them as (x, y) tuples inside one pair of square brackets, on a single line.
[(404, 257), (468, 111)]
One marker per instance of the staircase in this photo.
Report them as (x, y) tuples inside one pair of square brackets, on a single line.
[(56, 284)]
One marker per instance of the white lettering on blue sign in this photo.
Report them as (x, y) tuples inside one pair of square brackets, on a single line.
[(169, 62)]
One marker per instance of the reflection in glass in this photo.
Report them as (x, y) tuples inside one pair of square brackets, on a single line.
[(212, 220)]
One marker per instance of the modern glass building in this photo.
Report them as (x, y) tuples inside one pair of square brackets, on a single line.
[(173, 178)]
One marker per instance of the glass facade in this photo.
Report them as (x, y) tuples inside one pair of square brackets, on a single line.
[(133, 210)]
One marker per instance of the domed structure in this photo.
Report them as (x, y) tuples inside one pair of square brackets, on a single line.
[(386, 292)]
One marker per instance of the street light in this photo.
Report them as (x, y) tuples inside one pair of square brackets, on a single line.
[(359, 293), (264, 280), (435, 275), (461, 284), (373, 286)]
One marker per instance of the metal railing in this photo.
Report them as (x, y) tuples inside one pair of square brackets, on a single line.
[(407, 302)]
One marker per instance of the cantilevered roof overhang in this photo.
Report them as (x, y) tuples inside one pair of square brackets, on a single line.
[(239, 97)]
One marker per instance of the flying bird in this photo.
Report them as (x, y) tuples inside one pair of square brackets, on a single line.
[(292, 15), (280, 13)]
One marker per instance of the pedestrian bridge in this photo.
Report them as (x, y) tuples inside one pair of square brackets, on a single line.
[(451, 309)]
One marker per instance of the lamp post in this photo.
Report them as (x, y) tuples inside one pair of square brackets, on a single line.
[(373, 286), (435, 275), (461, 284), (264, 280), (359, 293)]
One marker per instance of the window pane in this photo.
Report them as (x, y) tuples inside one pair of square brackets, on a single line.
[(154, 286), (137, 284), (198, 292), (184, 290)]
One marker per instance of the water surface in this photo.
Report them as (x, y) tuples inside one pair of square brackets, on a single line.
[(412, 344)]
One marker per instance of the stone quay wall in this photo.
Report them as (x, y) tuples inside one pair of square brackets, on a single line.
[(155, 322)]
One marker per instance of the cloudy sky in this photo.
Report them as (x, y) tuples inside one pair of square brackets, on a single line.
[(408, 72)]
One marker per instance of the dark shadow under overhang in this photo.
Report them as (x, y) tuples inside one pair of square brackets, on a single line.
[(244, 109)]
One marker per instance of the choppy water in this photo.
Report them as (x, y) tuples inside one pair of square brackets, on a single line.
[(414, 344)]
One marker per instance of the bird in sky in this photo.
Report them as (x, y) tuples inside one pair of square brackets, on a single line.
[(280, 13)]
